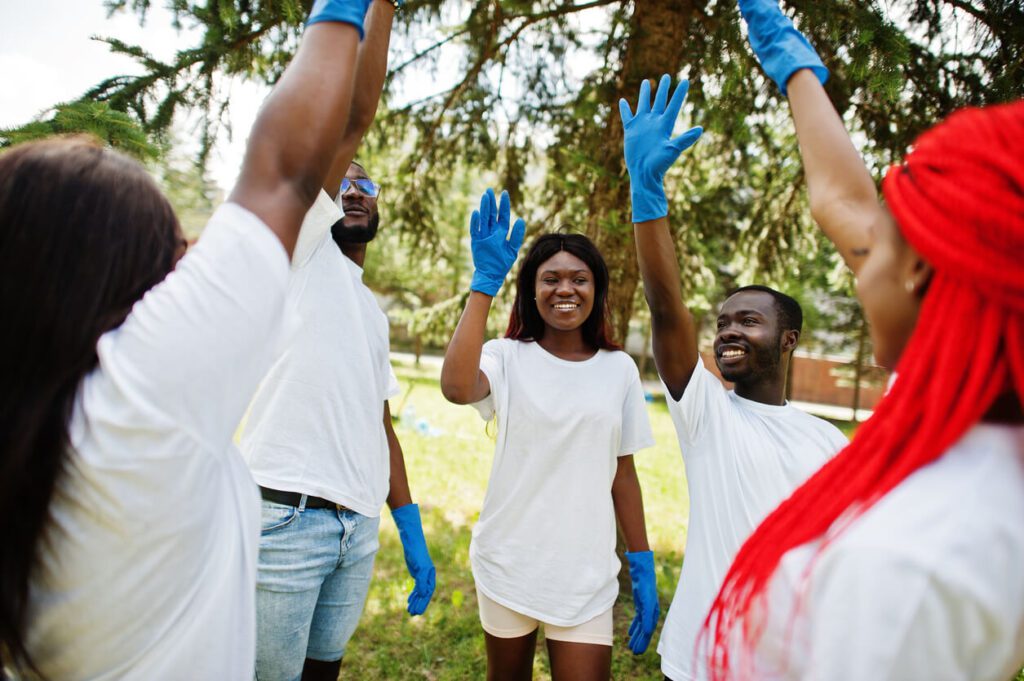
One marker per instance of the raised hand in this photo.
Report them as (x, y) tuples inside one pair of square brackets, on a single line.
[(417, 558), (645, 600), (781, 49), (494, 247), (649, 147)]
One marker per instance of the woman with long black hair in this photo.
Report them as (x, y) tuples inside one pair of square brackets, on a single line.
[(570, 412), (128, 546)]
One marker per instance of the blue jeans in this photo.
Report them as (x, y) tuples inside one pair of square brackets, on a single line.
[(315, 567)]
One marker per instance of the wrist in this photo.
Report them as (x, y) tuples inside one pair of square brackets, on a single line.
[(487, 284)]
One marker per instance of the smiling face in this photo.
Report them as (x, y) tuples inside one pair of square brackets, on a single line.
[(749, 344), (890, 305), (564, 290), (359, 226)]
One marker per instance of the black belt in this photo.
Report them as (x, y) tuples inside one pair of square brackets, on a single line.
[(294, 498)]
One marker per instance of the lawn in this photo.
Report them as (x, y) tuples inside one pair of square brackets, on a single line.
[(448, 455)]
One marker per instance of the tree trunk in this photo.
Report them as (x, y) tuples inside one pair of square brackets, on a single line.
[(858, 366), (656, 44)]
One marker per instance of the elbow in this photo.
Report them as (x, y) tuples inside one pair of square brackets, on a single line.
[(453, 391)]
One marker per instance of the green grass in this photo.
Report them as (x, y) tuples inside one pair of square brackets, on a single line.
[(448, 474)]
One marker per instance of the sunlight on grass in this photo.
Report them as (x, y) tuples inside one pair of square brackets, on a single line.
[(448, 455)]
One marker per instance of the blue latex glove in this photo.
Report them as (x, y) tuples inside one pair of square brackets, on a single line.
[(649, 147), (417, 559), (347, 11), (494, 249), (645, 600), (781, 49)]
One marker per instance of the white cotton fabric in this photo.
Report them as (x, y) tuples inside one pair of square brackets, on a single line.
[(927, 584), (545, 542), (316, 425), (150, 568), (742, 458)]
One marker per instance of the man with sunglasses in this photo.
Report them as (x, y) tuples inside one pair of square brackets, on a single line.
[(318, 439)]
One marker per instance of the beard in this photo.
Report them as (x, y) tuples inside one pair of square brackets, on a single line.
[(763, 362), (344, 234)]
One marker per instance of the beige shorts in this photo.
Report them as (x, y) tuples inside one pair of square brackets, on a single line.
[(502, 622)]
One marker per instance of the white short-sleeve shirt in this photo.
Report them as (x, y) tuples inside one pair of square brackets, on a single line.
[(742, 458), (151, 566), (927, 584), (316, 425), (545, 542)]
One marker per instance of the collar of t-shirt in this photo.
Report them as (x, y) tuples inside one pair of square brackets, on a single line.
[(752, 405)]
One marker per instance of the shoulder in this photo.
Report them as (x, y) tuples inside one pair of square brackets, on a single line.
[(817, 425)]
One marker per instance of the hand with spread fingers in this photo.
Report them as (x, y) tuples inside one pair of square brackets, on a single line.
[(645, 600), (494, 246), (417, 558), (781, 49), (649, 147)]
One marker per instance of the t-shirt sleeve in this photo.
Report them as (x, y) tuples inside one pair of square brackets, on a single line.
[(884, 617), (317, 224), (394, 388), (196, 346), (636, 425), (492, 363), (704, 395)]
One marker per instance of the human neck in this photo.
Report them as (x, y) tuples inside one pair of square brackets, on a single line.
[(567, 345), (354, 252), (770, 389), (1005, 409)]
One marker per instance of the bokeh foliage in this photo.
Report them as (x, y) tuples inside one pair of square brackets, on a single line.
[(526, 98)]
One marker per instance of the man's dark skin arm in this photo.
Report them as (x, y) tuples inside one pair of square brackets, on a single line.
[(398, 493), (673, 328), (371, 70), (296, 135)]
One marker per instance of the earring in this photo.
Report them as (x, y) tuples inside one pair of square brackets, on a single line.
[(909, 285)]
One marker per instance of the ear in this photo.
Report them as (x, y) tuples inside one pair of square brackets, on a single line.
[(919, 276), (789, 340)]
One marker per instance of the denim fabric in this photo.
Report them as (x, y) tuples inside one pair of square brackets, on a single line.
[(315, 567)]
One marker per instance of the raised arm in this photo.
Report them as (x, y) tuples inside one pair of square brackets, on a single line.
[(371, 70), (650, 150), (844, 201), (494, 249), (297, 133)]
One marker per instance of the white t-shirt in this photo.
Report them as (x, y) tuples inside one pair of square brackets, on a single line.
[(927, 584), (316, 425), (742, 458), (151, 572), (545, 542)]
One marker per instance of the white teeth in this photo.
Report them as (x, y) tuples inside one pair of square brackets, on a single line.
[(733, 353), (566, 306)]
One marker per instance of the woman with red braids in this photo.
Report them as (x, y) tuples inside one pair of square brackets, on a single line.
[(903, 557)]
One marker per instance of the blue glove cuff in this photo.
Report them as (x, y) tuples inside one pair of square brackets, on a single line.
[(640, 561), (648, 203), (485, 284), (407, 518), (345, 11)]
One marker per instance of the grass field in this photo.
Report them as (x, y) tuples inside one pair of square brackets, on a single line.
[(448, 471)]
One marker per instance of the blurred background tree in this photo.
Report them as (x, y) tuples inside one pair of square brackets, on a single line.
[(525, 98)]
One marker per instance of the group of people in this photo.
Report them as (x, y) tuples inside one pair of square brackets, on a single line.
[(136, 543)]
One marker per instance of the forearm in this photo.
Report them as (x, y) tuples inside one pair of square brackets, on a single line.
[(461, 379), (843, 198), (629, 505), (398, 490), (371, 71), (295, 136), (673, 329)]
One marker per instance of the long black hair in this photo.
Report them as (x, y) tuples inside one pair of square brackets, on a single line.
[(84, 233), (525, 322)]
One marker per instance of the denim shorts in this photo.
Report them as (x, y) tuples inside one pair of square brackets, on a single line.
[(315, 567)]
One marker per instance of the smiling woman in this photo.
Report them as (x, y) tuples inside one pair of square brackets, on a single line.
[(570, 410)]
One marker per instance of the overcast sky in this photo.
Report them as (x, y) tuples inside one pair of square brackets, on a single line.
[(47, 56)]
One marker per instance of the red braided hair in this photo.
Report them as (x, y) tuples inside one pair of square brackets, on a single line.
[(959, 201)]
